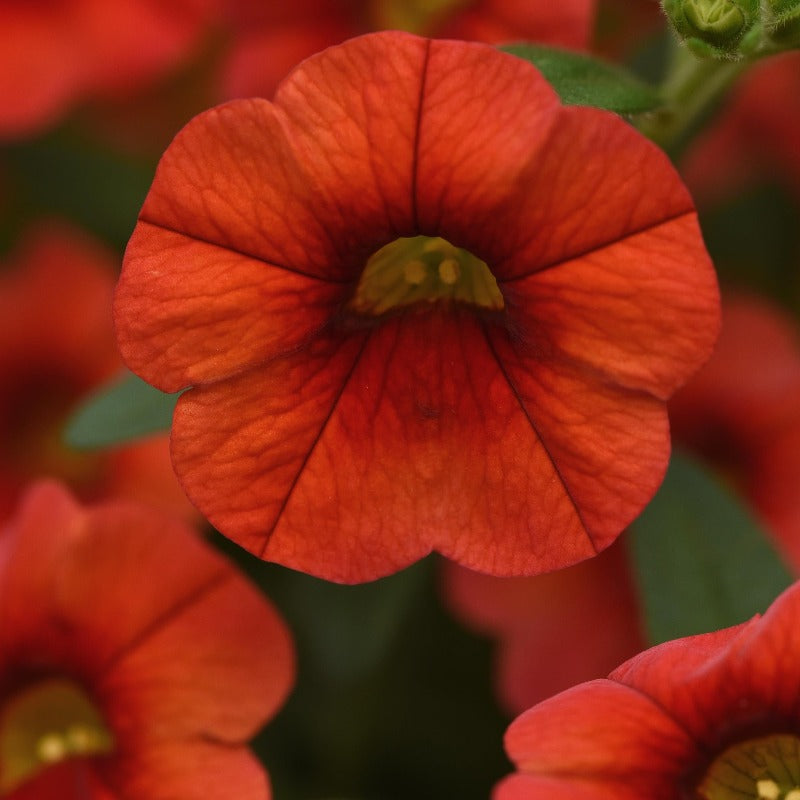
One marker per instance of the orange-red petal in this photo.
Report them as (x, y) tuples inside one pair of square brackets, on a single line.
[(347, 446), (604, 733)]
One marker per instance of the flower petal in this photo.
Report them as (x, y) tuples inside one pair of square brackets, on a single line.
[(189, 771), (190, 311), (177, 682), (695, 680), (540, 787), (604, 732), (32, 545), (380, 433), (464, 182), (609, 446), (106, 560), (358, 149), (642, 313), (594, 183)]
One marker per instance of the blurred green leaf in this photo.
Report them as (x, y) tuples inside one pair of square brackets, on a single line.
[(582, 80), (128, 408), (702, 562), (66, 175), (359, 623)]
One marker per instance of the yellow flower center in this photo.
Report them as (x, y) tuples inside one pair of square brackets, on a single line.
[(767, 768), (422, 269), (44, 724)]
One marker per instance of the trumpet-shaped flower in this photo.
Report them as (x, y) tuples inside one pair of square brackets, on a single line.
[(711, 717), (421, 306), (134, 661)]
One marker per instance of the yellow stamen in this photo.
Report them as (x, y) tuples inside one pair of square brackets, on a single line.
[(422, 269), (46, 723), (449, 271), (51, 748), (415, 272)]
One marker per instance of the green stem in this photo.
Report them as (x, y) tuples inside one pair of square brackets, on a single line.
[(692, 86)]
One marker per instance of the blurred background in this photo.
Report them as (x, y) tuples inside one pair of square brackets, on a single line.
[(405, 685)]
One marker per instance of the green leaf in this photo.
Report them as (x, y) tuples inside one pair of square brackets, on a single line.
[(582, 80), (702, 562), (65, 175), (126, 409)]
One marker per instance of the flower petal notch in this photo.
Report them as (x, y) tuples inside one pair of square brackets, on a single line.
[(712, 717), (134, 660), (420, 306)]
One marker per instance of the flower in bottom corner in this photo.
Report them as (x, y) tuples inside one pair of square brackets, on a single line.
[(708, 717), (421, 306), (134, 661)]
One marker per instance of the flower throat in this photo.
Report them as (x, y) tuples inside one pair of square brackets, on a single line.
[(45, 724), (767, 768), (422, 269)]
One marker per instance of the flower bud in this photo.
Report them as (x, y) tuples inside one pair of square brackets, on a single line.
[(716, 28)]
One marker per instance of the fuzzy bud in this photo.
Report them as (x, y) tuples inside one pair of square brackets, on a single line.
[(716, 28)]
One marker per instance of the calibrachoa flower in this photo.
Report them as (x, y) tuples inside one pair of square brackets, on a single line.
[(554, 630), (134, 661), (423, 307), (709, 717), (271, 38), (749, 430), (57, 344), (54, 53)]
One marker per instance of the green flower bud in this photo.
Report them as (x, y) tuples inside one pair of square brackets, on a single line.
[(716, 28)]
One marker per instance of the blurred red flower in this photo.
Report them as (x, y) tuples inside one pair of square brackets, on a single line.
[(55, 53), (134, 661), (271, 38), (713, 717), (755, 136), (366, 388), (56, 344), (553, 630), (741, 414)]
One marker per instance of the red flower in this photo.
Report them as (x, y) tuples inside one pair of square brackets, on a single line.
[(134, 661), (54, 53), (749, 429), (270, 39), (584, 618), (57, 344), (365, 391), (756, 135), (712, 717)]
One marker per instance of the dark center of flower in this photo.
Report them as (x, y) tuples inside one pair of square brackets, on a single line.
[(44, 724), (767, 768), (422, 269)]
